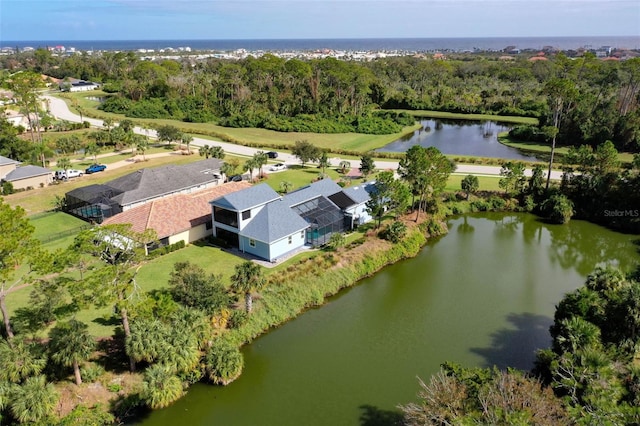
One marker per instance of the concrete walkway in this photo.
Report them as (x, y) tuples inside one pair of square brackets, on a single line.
[(59, 109)]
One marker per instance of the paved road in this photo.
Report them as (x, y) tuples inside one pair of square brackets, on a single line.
[(58, 108)]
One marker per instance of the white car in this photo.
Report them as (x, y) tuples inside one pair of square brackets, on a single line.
[(278, 167), (71, 173)]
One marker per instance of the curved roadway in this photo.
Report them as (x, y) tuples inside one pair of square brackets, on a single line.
[(59, 109)]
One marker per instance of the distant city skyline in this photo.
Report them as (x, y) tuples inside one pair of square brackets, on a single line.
[(292, 19)]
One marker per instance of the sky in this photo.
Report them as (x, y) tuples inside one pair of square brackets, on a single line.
[(290, 19)]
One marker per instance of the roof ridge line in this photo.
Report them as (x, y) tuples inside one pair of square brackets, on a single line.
[(148, 221)]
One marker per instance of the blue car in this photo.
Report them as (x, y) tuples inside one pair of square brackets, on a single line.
[(94, 168)]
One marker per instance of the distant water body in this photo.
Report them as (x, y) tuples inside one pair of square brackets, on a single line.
[(364, 44)]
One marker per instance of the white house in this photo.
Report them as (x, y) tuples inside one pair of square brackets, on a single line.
[(259, 221)]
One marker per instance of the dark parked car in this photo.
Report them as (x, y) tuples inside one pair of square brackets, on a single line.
[(95, 168), (272, 154)]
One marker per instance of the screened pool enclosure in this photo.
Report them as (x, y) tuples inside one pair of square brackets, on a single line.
[(324, 219)]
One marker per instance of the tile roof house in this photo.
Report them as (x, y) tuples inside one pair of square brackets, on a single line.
[(181, 217), (261, 222), (96, 202), (24, 177)]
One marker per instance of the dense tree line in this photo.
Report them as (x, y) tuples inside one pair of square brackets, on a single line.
[(594, 187), (329, 95)]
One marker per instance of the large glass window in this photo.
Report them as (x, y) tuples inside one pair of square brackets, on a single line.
[(225, 216)]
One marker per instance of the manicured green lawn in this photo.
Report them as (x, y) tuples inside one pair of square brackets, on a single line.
[(487, 183), (49, 224), (298, 176)]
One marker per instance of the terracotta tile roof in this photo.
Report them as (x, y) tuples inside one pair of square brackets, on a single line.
[(177, 213)]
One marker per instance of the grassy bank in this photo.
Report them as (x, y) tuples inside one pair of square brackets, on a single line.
[(480, 117), (309, 282), (545, 149)]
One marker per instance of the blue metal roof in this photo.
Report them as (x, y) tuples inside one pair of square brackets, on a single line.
[(274, 222), (248, 198), (360, 193), (324, 187)]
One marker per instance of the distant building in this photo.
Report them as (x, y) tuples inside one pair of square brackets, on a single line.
[(24, 177), (75, 85)]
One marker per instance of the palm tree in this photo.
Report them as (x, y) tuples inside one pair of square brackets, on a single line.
[(18, 361), (323, 161), (147, 340), (186, 139), (161, 387), (286, 186), (247, 277), (217, 152), (93, 150), (223, 363), (205, 151), (260, 158), (250, 165), (142, 144), (64, 163), (70, 345), (34, 401), (344, 166)]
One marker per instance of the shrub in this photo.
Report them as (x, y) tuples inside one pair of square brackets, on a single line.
[(237, 319), (7, 188), (223, 363), (558, 209), (395, 232), (91, 372)]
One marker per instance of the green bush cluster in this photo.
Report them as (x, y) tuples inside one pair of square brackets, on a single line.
[(167, 249)]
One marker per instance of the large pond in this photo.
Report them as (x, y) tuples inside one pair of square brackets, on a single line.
[(482, 295), (459, 137)]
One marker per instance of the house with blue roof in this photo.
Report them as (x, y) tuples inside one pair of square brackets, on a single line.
[(259, 221)]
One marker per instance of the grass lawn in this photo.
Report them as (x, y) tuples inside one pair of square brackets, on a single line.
[(299, 176), (487, 183), (460, 116), (49, 224)]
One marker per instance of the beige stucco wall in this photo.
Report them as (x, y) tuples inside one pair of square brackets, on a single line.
[(191, 235), (34, 182), (5, 169)]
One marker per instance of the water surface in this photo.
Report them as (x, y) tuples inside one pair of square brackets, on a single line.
[(459, 137), (482, 295)]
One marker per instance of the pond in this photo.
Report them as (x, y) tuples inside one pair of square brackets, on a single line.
[(460, 137), (482, 295)]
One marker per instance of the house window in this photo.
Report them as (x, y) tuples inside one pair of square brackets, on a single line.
[(290, 239), (228, 217), (252, 243), (246, 214), (209, 225), (302, 234)]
